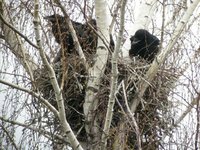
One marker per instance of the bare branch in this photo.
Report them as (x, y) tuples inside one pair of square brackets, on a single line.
[(18, 32), (41, 131), (58, 93), (114, 16), (188, 110), (198, 123), (73, 33), (38, 96), (9, 136), (131, 116), (15, 43), (114, 77)]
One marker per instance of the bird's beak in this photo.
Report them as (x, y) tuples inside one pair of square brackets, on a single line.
[(135, 42)]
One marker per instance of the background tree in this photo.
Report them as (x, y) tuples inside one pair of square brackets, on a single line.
[(97, 97)]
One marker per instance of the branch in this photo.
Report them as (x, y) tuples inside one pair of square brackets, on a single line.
[(15, 43), (114, 78), (189, 108), (131, 116), (38, 96), (58, 93), (41, 131), (18, 32), (114, 16), (9, 137), (198, 123), (73, 33), (161, 57), (183, 115), (97, 70)]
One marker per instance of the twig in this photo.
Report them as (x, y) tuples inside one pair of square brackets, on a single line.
[(198, 123), (18, 32), (41, 131), (58, 93), (38, 96), (114, 78), (9, 136), (73, 33), (131, 116)]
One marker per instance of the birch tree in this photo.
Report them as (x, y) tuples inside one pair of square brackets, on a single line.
[(97, 98)]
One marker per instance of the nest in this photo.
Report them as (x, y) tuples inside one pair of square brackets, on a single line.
[(149, 118)]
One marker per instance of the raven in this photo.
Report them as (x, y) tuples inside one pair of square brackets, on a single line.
[(144, 45), (86, 36)]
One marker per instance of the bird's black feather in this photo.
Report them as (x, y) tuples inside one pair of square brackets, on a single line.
[(144, 45), (85, 34)]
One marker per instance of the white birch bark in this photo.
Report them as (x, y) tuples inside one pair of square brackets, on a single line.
[(114, 78), (58, 93), (96, 72)]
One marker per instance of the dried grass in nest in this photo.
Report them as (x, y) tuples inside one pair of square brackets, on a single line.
[(73, 90), (148, 118)]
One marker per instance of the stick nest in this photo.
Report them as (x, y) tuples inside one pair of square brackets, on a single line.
[(72, 77)]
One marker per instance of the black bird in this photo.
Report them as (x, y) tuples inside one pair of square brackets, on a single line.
[(85, 34), (144, 45), (87, 38)]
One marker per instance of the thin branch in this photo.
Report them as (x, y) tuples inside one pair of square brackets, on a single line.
[(73, 33), (38, 96), (198, 123), (10, 137), (18, 32), (188, 110), (114, 16), (13, 40), (131, 116), (114, 78), (163, 24), (183, 115), (51, 72), (58, 93), (41, 131)]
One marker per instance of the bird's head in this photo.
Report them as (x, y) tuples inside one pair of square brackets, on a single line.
[(144, 35), (141, 34)]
